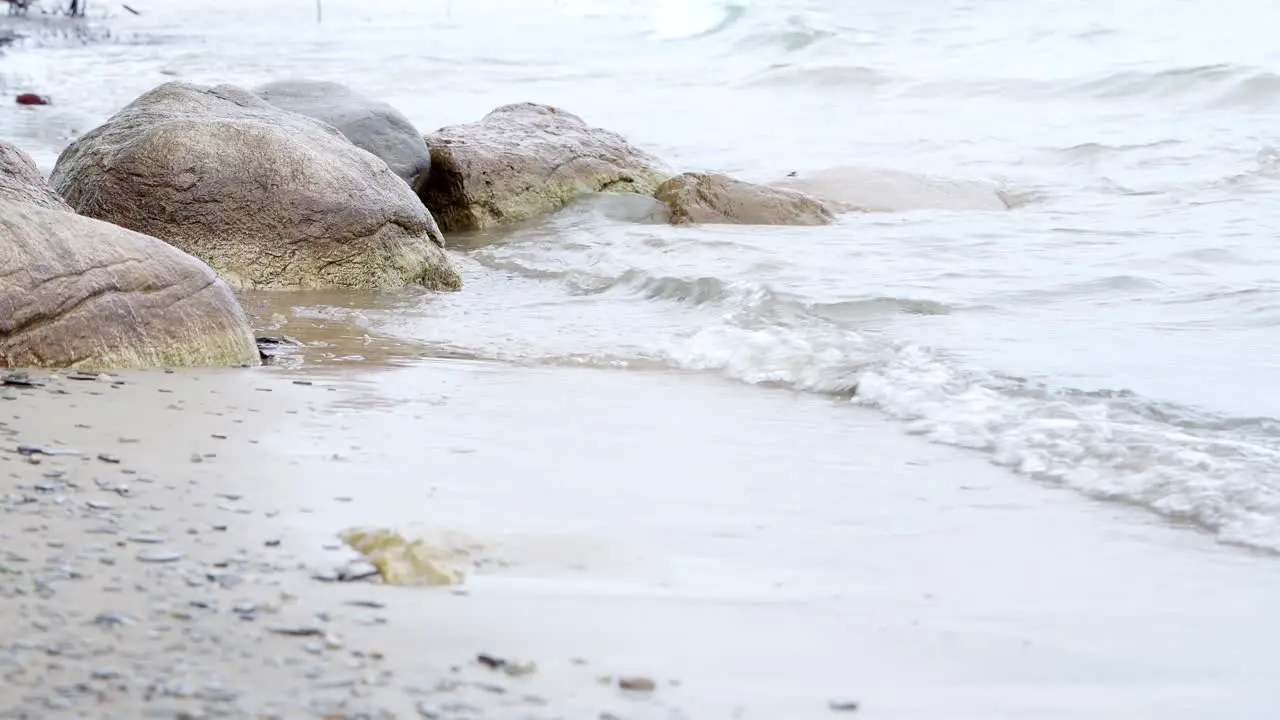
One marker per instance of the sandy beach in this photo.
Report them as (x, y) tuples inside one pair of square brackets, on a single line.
[(785, 360), (152, 573)]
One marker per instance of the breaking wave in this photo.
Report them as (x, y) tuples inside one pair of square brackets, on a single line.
[(1215, 472), (1218, 473)]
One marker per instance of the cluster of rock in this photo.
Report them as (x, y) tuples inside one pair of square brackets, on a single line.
[(128, 256)]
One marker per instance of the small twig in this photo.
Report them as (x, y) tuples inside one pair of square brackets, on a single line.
[(126, 7)]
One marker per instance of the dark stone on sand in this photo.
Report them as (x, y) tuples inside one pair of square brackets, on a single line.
[(524, 160), (37, 450), (17, 378), (297, 630), (637, 684), (351, 572)]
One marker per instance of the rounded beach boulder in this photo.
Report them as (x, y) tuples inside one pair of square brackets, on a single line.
[(713, 198), (524, 160), (78, 292), (21, 181), (267, 197), (369, 124)]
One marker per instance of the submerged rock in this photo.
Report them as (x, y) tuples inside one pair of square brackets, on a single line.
[(369, 124), (865, 189), (714, 198), (21, 181), (401, 561), (269, 198), (77, 292), (525, 160)]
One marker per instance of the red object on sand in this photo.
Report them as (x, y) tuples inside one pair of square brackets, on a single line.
[(32, 99)]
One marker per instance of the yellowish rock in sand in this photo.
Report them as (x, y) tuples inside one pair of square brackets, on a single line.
[(404, 562)]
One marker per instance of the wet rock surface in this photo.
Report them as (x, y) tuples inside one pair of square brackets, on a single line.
[(79, 292), (710, 198), (369, 124), (125, 600), (524, 160), (267, 197)]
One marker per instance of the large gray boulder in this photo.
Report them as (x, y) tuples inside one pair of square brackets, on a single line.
[(712, 198), (369, 124), (268, 198), (525, 160), (77, 292), (21, 181)]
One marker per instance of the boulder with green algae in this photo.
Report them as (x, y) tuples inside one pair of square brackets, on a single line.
[(404, 562), (78, 292), (524, 160), (267, 197)]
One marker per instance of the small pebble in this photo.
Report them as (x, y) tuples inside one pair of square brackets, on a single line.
[(636, 684), (298, 631), (159, 555)]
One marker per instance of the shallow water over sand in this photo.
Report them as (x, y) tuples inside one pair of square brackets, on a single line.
[(1113, 332), (706, 535)]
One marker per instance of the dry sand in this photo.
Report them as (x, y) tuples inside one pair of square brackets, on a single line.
[(757, 554)]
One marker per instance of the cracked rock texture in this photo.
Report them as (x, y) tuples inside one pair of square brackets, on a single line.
[(268, 198), (711, 198), (77, 292), (369, 124), (524, 160)]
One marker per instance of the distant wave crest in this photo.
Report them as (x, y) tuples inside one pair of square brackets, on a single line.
[(1208, 86), (821, 76)]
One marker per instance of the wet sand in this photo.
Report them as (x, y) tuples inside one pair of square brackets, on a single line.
[(756, 553)]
